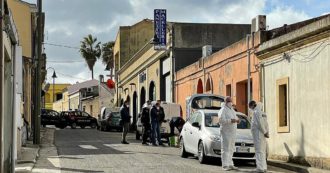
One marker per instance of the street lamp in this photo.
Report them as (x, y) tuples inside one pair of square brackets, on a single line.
[(53, 76)]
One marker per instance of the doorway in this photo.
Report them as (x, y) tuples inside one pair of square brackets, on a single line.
[(135, 109), (152, 91), (242, 96), (142, 97)]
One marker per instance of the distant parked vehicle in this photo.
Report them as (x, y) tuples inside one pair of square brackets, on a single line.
[(171, 110), (49, 117), (201, 137), (110, 121), (78, 118)]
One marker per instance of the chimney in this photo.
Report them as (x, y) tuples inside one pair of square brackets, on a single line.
[(258, 23), (207, 50)]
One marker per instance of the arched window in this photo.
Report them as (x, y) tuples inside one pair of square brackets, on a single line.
[(200, 87), (208, 87)]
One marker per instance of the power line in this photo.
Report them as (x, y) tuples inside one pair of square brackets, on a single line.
[(61, 45), (70, 76)]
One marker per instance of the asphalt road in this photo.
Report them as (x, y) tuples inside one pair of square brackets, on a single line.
[(89, 150)]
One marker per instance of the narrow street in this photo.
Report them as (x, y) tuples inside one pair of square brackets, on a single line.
[(89, 150)]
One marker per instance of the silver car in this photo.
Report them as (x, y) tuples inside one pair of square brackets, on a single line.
[(201, 137)]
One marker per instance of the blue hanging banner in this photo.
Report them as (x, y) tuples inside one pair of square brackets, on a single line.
[(160, 29)]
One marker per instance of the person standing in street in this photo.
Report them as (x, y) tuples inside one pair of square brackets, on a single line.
[(155, 118), (126, 119), (161, 118), (145, 120), (228, 126), (260, 131)]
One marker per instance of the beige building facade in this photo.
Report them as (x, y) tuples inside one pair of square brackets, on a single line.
[(296, 92), (62, 104), (91, 106)]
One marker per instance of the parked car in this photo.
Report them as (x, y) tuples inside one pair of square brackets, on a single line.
[(171, 110), (78, 118), (110, 121), (49, 117), (201, 137), (203, 102)]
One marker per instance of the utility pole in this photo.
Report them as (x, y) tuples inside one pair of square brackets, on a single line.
[(36, 139), (2, 78)]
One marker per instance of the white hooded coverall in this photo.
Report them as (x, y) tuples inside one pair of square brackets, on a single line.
[(228, 134), (259, 128)]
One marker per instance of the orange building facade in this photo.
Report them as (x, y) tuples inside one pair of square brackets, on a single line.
[(223, 73)]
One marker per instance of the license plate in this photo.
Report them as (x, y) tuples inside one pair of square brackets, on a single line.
[(242, 149)]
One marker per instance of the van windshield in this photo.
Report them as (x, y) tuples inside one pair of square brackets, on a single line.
[(207, 102)]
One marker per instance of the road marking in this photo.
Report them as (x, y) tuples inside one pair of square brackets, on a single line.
[(111, 145), (90, 147)]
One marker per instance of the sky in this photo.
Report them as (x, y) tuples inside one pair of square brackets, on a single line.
[(68, 21)]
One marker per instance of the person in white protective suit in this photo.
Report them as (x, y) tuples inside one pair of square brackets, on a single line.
[(228, 125), (260, 131)]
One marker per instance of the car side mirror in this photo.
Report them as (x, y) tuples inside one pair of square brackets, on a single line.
[(196, 124)]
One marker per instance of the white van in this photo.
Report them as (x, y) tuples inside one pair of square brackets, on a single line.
[(171, 110)]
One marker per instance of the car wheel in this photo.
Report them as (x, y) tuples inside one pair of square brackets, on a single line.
[(93, 125), (201, 154), (183, 154), (137, 135), (63, 127), (82, 127), (73, 125)]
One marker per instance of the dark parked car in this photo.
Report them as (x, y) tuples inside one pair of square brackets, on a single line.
[(78, 118), (109, 121), (49, 117)]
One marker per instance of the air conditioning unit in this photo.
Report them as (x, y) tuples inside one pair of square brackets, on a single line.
[(258, 23), (207, 50)]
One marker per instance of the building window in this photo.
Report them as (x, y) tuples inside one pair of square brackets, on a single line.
[(282, 99), (84, 108), (228, 90), (208, 87), (59, 96)]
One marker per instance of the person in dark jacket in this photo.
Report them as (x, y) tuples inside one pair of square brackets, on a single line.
[(176, 122), (155, 118), (145, 120), (126, 119), (161, 114)]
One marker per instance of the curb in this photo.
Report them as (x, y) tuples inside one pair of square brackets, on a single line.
[(296, 167)]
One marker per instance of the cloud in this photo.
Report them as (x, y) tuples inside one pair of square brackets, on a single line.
[(68, 21)]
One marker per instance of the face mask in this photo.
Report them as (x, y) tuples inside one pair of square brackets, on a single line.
[(230, 104)]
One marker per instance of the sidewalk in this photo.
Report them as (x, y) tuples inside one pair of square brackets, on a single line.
[(296, 167), (40, 159), (28, 158)]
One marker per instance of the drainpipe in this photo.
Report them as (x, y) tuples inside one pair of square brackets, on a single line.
[(14, 128), (249, 68), (2, 59)]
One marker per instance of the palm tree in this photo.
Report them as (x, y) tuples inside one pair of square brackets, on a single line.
[(107, 55), (90, 50)]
